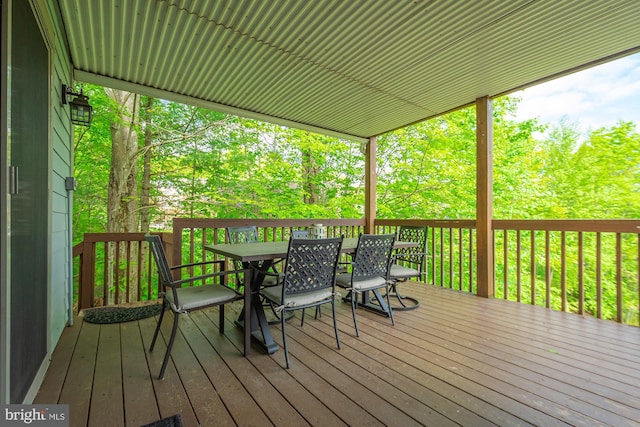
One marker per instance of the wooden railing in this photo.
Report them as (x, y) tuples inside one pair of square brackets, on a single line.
[(115, 268), (451, 248), (583, 266), (190, 235)]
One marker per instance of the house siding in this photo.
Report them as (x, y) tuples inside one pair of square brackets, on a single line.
[(61, 167)]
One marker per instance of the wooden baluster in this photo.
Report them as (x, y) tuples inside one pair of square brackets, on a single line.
[(547, 268), (563, 270), (460, 258), (619, 314), (599, 275), (519, 265), (580, 273), (533, 267), (451, 258)]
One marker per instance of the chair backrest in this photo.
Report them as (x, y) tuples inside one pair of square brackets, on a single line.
[(160, 256), (373, 255), (300, 234), (248, 234), (311, 265), (416, 254)]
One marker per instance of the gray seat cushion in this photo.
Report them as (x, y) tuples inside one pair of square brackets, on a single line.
[(274, 293), (200, 296), (270, 281), (344, 280), (400, 271)]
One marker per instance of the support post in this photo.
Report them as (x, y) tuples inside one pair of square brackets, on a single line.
[(484, 196), (370, 185)]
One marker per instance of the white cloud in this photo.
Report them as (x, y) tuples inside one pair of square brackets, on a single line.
[(597, 97)]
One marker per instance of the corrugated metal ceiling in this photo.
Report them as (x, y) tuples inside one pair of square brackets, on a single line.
[(350, 68)]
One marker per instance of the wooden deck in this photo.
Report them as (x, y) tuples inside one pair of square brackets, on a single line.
[(457, 360)]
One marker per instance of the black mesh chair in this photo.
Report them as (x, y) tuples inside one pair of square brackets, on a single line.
[(309, 280), (369, 270), (247, 234), (408, 263), (300, 234), (184, 300)]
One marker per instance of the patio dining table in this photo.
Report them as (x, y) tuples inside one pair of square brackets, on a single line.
[(257, 258)]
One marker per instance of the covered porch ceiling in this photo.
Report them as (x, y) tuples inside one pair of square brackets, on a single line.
[(352, 69)]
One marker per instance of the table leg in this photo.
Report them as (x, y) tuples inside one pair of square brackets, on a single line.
[(378, 307), (246, 313), (253, 310)]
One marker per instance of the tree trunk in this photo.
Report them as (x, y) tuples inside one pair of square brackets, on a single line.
[(145, 189), (122, 200), (310, 171)]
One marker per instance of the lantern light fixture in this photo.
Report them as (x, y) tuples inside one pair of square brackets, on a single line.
[(81, 111)]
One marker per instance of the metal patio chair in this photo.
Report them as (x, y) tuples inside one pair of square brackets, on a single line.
[(300, 234), (249, 234), (408, 263), (309, 280), (184, 300), (369, 271)]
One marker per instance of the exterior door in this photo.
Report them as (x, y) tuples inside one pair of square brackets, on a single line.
[(28, 147)]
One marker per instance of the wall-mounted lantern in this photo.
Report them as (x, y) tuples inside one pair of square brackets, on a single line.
[(81, 111)]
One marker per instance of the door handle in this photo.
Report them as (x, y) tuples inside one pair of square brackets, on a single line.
[(13, 180)]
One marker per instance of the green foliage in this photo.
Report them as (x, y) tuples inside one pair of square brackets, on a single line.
[(208, 164), (92, 161)]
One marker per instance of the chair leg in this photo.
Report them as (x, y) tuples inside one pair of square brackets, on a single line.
[(155, 334), (284, 337), (318, 314), (354, 296), (335, 322), (393, 288), (273, 309), (174, 331), (221, 320), (393, 321)]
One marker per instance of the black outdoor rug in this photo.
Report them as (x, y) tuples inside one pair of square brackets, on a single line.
[(120, 314), (174, 421)]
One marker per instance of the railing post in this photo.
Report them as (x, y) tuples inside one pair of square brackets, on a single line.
[(87, 275), (484, 195), (167, 241), (370, 185), (177, 244)]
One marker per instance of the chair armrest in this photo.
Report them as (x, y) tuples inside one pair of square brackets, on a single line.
[(206, 276), (409, 257), (195, 264)]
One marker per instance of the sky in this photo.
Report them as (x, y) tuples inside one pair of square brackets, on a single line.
[(598, 97)]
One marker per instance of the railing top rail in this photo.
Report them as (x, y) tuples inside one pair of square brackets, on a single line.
[(262, 222), (587, 225), (435, 223), (115, 237)]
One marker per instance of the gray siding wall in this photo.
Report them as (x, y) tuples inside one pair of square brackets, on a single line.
[(61, 161)]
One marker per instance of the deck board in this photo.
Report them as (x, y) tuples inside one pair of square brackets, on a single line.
[(107, 380), (138, 395), (78, 383), (456, 360)]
